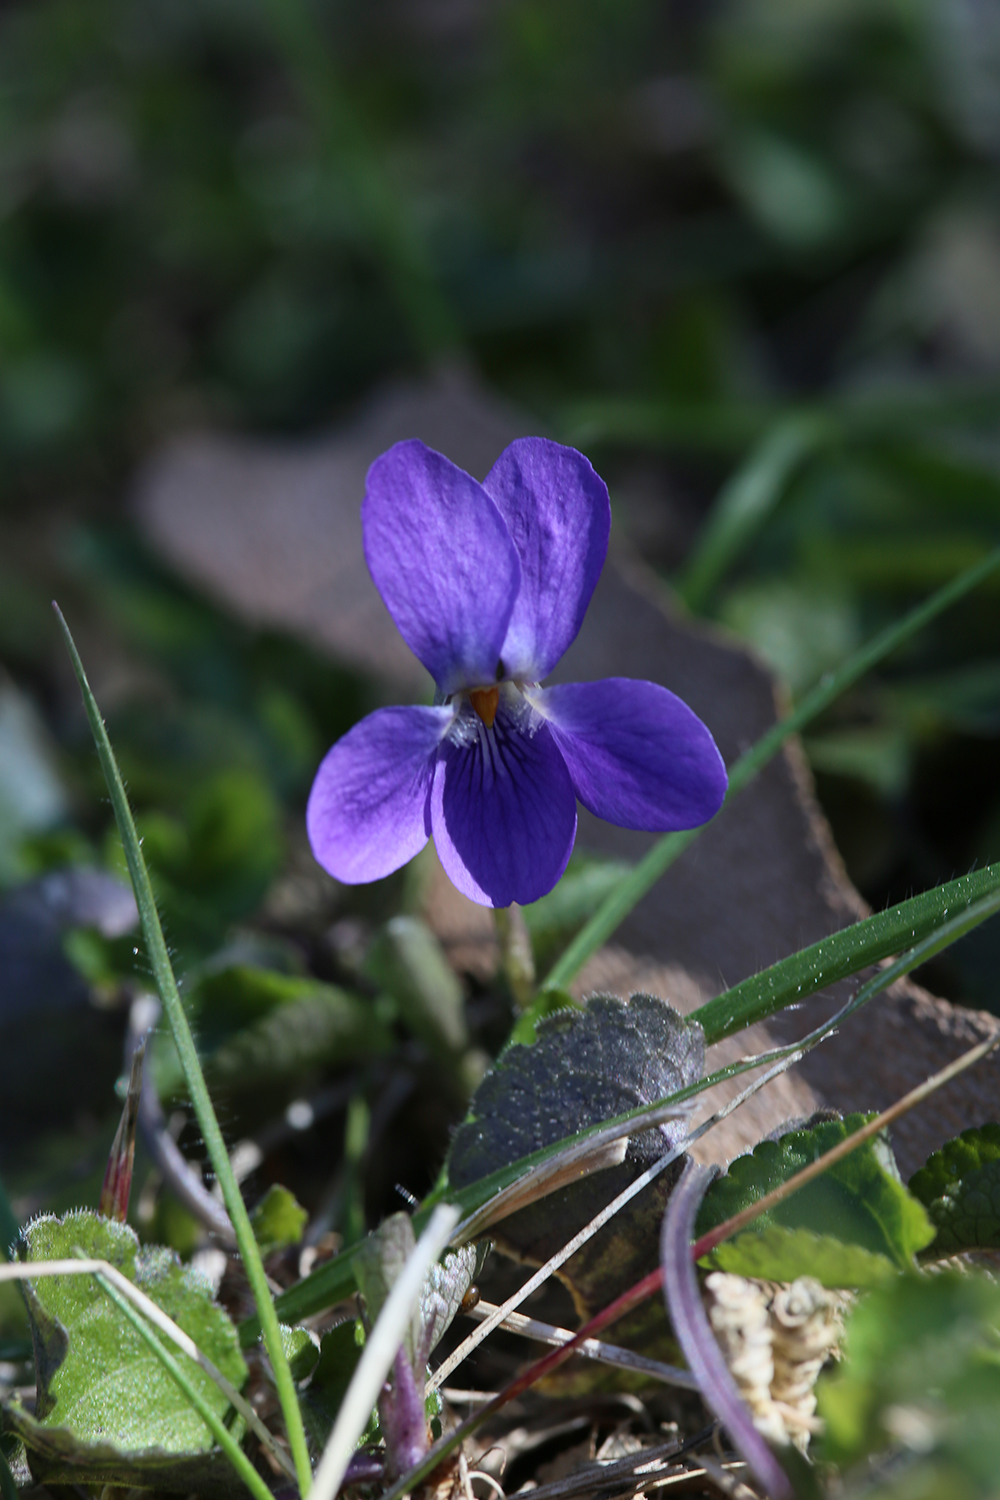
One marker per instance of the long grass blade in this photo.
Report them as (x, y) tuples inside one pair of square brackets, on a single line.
[(156, 949), (616, 907), (794, 979), (746, 500)]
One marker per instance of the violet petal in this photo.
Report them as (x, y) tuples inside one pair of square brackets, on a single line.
[(638, 756), (443, 561), (694, 1334), (503, 812), (559, 517), (366, 811)]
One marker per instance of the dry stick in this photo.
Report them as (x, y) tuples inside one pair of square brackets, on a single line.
[(654, 1281), (595, 1349), (31, 1270)]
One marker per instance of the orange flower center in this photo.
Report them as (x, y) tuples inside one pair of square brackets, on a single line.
[(485, 701)]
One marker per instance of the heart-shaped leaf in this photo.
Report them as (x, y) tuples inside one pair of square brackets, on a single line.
[(586, 1066), (859, 1201), (106, 1407)]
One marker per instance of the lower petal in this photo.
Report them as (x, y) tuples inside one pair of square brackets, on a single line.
[(638, 756), (503, 810), (367, 808)]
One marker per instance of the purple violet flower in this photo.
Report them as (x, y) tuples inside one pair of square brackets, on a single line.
[(488, 584)]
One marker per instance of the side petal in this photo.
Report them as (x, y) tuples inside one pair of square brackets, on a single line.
[(366, 810), (443, 561), (503, 811), (637, 754), (558, 513)]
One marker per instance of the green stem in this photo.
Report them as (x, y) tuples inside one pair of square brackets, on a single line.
[(212, 1420), (616, 907), (747, 499), (159, 959)]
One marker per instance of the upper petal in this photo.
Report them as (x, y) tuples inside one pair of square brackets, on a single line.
[(558, 513), (638, 756), (443, 561), (503, 812), (366, 811)]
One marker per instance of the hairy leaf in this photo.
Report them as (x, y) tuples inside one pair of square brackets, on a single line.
[(587, 1065), (859, 1200), (960, 1188), (104, 1400), (778, 1254)]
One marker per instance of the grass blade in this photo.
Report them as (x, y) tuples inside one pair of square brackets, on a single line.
[(166, 984), (843, 953), (616, 907), (746, 500)]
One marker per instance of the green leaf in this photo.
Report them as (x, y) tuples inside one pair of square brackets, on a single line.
[(859, 1200), (378, 1262), (586, 1066), (747, 499), (291, 1023), (278, 1220), (302, 1349), (960, 1188), (339, 1352), (920, 1375), (101, 1392), (408, 962), (778, 1254)]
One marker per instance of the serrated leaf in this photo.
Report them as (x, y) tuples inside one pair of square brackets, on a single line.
[(860, 1200), (278, 1220), (960, 1188), (379, 1260), (778, 1254), (102, 1394), (920, 1376), (586, 1065)]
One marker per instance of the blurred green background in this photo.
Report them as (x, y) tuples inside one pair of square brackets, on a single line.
[(745, 254)]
